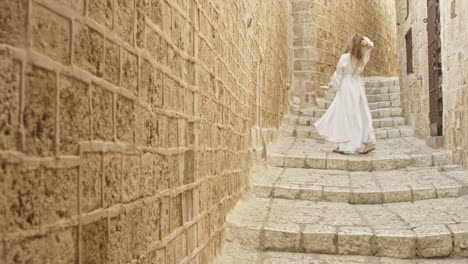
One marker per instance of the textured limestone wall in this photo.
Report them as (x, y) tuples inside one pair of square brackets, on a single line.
[(414, 86), (125, 125), (321, 31), (454, 35)]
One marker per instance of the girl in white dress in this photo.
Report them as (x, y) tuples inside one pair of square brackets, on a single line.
[(348, 120)]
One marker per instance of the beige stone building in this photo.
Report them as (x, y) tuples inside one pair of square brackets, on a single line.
[(437, 108), (126, 126)]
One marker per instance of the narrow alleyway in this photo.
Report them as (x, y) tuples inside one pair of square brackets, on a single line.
[(403, 201)]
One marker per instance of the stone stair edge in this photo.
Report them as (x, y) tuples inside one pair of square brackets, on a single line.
[(360, 162), (418, 240)]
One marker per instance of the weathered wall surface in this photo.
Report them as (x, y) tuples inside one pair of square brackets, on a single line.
[(125, 126), (454, 35), (321, 31), (414, 86)]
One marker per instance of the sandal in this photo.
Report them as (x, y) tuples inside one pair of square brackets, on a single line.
[(337, 150), (367, 149)]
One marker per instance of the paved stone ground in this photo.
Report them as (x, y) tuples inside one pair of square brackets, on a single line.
[(390, 154), (402, 230), (361, 187), (236, 255)]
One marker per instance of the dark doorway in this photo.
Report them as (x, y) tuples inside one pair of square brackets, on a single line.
[(435, 67)]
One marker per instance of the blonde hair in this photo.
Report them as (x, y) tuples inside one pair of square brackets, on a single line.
[(356, 50)]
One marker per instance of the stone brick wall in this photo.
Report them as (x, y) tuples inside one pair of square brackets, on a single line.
[(126, 125), (454, 35), (321, 31), (414, 86)]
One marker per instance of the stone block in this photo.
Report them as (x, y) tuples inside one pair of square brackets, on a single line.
[(61, 194), (337, 162), (442, 158), (22, 193), (433, 241), (101, 12), (131, 178), (355, 241), (118, 246), (422, 160), (394, 133), (112, 62), (10, 85), (89, 49), (124, 17), (90, 185), (358, 163), (27, 251), (366, 196), (94, 241), (75, 114), (319, 239), (129, 74), (143, 10), (165, 216), (137, 238), (311, 193), (148, 178), (125, 119), (161, 256), (112, 170), (460, 236), (276, 160), (294, 161), (396, 194), (383, 163), (281, 237), (173, 131), (156, 12), (286, 192), (14, 16), (39, 112), (176, 212), (102, 114), (395, 243), (316, 161), (336, 194), (62, 246), (403, 161), (51, 34), (423, 192)]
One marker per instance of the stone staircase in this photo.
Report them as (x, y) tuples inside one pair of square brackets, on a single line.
[(403, 203), (383, 95)]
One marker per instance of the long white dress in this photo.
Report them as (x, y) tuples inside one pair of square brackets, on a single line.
[(348, 120)]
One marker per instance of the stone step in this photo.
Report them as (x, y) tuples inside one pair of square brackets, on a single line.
[(378, 122), (382, 90), (392, 97), (317, 112), (424, 229), (394, 132), (374, 82), (235, 254), (391, 154), (373, 93), (323, 103), (310, 112), (404, 185), (380, 133)]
